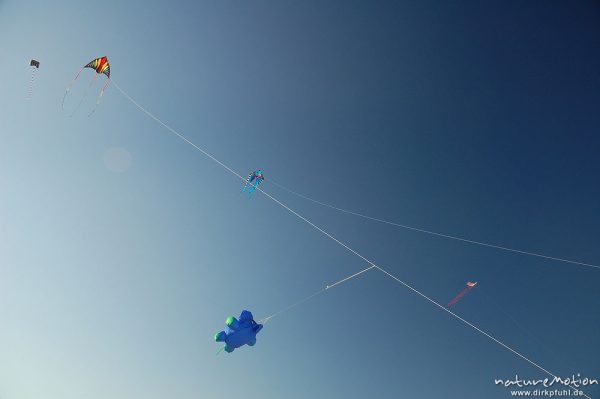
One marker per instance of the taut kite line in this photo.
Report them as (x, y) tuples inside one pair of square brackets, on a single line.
[(433, 233), (324, 232)]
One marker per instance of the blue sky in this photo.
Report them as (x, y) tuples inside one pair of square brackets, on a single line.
[(470, 119)]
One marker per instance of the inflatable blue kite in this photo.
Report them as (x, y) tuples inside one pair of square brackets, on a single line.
[(239, 332)]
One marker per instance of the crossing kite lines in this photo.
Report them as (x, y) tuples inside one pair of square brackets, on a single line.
[(371, 264)]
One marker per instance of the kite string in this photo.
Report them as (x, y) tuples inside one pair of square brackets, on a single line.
[(169, 128), (264, 320), (448, 236), (518, 324), (475, 327), (182, 137), (349, 277)]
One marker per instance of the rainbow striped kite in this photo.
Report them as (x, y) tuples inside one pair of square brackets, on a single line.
[(101, 66)]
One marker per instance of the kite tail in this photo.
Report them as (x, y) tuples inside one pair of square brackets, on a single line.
[(248, 181), (84, 96), (253, 188), (30, 88), (69, 89), (457, 298), (99, 97)]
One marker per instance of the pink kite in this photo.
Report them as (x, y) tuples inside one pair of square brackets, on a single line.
[(470, 286)]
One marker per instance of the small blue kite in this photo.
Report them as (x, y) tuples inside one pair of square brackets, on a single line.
[(254, 179), (239, 332)]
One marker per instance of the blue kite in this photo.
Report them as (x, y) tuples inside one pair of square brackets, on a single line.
[(254, 179), (239, 332)]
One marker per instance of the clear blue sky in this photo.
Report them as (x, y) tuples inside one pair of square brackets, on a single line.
[(479, 120)]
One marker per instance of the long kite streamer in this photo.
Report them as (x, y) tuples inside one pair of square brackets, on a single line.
[(374, 266)]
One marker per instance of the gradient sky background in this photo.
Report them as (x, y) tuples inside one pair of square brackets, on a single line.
[(479, 120)]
